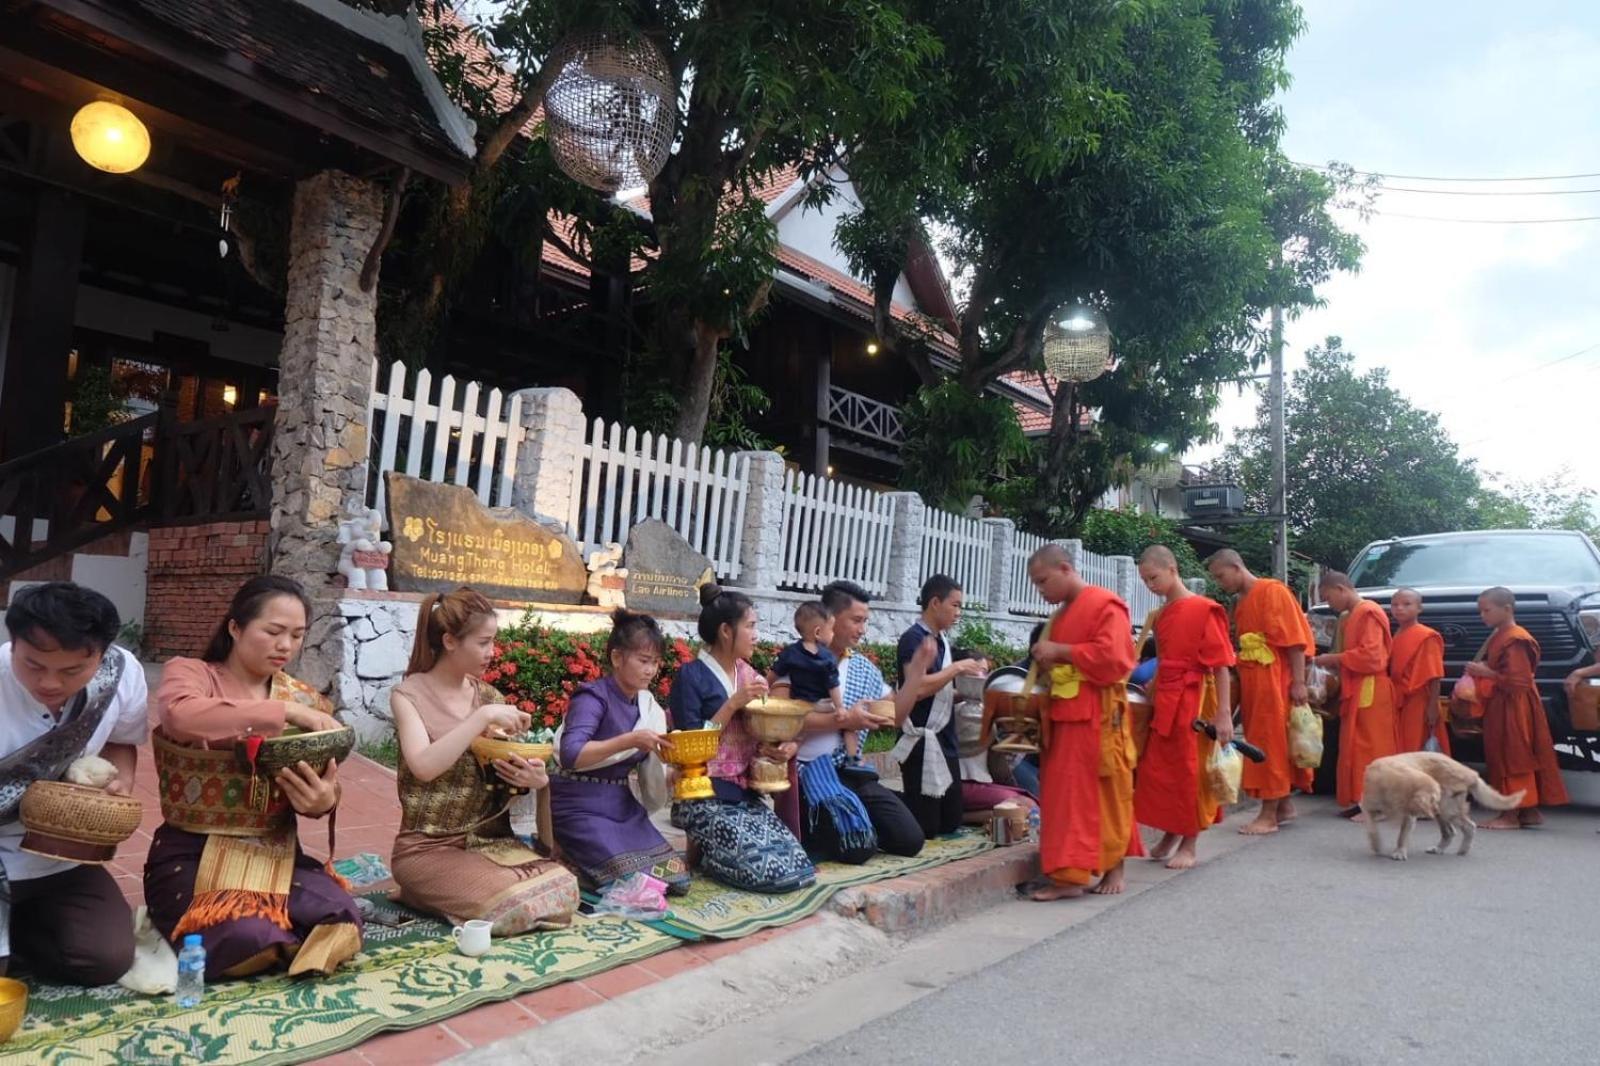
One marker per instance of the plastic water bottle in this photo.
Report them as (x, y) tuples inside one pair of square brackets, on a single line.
[(1033, 826), (191, 972)]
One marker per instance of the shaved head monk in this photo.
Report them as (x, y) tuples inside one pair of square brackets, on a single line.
[(1517, 746), (1416, 666), (1274, 644), (1191, 683), (1086, 774), (1367, 726)]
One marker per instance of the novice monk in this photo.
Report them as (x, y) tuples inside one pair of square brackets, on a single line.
[(1516, 734), (1191, 683), (1274, 643), (1086, 809), (1367, 726), (1416, 666)]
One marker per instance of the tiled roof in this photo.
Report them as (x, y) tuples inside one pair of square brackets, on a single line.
[(369, 66)]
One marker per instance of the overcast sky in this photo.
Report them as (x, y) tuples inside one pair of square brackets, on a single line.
[(1478, 322)]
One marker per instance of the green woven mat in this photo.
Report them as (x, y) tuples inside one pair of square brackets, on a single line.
[(403, 978), (713, 911)]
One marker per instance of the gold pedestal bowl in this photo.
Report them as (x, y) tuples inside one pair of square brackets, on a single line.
[(13, 1006), (774, 721), (691, 750), (294, 746)]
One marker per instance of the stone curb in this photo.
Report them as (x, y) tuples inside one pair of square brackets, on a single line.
[(923, 900)]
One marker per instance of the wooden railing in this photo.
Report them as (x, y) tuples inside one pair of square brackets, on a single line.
[(871, 418), (150, 470), (79, 490)]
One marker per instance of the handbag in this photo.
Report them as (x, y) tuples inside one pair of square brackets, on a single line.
[(1466, 705)]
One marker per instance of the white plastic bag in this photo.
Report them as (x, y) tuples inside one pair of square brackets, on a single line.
[(1224, 770), (1305, 737)]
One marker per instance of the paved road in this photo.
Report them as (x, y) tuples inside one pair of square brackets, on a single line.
[(1301, 949)]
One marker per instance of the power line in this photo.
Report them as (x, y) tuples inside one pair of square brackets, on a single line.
[(1487, 221), (1485, 192), (1431, 177)]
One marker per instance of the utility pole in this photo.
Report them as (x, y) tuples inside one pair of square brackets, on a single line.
[(1279, 508)]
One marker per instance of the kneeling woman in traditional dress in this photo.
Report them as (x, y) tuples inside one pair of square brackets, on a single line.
[(612, 730), (456, 855), (227, 862), (741, 843)]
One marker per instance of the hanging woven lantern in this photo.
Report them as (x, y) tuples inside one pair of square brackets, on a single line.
[(1162, 475), (611, 110), (1077, 346)]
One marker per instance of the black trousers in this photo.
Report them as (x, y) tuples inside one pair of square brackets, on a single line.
[(896, 828), (937, 815), (73, 927)]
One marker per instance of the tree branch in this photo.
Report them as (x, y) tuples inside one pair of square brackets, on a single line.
[(391, 215)]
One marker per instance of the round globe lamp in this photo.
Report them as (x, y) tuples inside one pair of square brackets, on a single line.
[(611, 110), (109, 137)]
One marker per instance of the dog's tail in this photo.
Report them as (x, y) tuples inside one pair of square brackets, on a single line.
[(1494, 800)]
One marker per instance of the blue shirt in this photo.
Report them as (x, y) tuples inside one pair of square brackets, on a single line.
[(910, 641), (811, 675)]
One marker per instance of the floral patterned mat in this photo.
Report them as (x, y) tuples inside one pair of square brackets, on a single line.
[(404, 977), (712, 911)]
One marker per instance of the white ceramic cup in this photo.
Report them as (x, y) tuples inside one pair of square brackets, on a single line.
[(472, 938)]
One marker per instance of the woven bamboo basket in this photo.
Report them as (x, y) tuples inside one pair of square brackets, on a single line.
[(75, 822)]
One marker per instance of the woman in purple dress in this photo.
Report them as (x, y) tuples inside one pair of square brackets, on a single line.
[(612, 728)]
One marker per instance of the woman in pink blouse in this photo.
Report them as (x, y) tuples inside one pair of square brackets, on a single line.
[(227, 862)]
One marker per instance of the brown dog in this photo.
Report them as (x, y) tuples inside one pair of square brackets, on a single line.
[(1426, 784)]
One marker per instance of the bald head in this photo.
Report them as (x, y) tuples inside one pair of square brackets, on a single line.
[(1050, 555), (1158, 555), (1228, 570), (1052, 573), (1224, 557), (1334, 579), (1406, 606), (1499, 596), (1337, 590)]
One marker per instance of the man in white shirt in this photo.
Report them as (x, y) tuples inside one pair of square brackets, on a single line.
[(66, 691)]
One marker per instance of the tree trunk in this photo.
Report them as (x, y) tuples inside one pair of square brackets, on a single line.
[(697, 385)]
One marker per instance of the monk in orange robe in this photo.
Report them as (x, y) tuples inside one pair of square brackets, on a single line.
[(1416, 667), (1516, 734), (1368, 729), (1274, 643), (1194, 651), (1086, 773)]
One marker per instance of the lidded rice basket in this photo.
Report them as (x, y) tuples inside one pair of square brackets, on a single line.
[(75, 822)]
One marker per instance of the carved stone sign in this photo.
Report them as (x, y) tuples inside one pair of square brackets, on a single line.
[(444, 538), (664, 572)]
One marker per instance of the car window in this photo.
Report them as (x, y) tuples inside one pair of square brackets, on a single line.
[(1478, 561)]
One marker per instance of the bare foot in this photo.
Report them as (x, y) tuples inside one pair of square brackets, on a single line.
[(1185, 858), (1264, 823), (1359, 818), (1508, 820), (1350, 812), (1111, 883), (1163, 849), (1286, 811), (1530, 817), (1054, 892)]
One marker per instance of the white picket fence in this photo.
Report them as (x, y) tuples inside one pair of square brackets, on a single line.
[(1025, 599), (958, 547), (624, 477), (461, 434), (833, 531), (1141, 603), (1099, 570)]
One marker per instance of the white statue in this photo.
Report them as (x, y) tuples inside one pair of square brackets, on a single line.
[(363, 556), (607, 580)]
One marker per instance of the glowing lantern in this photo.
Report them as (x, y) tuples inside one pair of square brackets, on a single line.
[(109, 137), (1077, 348), (611, 110)]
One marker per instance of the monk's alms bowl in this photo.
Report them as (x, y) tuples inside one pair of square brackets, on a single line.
[(487, 749), (76, 822), (776, 721), (294, 746), (13, 1005)]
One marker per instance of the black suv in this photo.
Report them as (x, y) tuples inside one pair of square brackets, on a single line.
[(1555, 576)]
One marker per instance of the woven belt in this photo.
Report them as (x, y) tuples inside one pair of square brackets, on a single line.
[(591, 779)]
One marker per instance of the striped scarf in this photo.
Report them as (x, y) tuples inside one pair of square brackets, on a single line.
[(825, 794)]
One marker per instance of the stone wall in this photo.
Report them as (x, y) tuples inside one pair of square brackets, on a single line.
[(193, 573), (375, 631)]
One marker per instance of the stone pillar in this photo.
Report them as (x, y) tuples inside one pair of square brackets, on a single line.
[(905, 548), (1003, 534), (319, 447), (1197, 585), (548, 471), (1074, 550), (1127, 574), (761, 543)]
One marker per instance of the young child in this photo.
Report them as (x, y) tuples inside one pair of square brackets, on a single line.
[(810, 669)]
